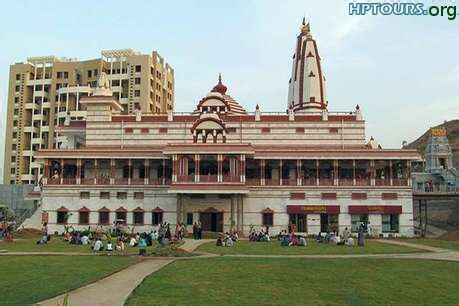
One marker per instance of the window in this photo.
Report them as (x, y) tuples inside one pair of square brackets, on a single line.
[(84, 195), (96, 72), (66, 75), (297, 196), (359, 196), (138, 195), (104, 217), (267, 219), (357, 220), (89, 73), (13, 170), (121, 195), (189, 219), (138, 68), (157, 218), (17, 88), (83, 217), (121, 216), (61, 217), (390, 223), (138, 218), (137, 93), (18, 77), (104, 195), (115, 82), (137, 80)]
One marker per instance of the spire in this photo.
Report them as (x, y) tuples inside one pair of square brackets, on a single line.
[(307, 83), (220, 88)]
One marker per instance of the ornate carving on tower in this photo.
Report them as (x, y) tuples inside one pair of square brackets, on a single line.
[(307, 84)]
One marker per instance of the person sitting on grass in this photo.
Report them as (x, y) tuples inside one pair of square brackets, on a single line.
[(142, 247), (285, 240), (84, 240), (293, 239), (219, 241), (109, 248), (302, 241), (133, 242), (350, 242), (98, 246), (120, 246)]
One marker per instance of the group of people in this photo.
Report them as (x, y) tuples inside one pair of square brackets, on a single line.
[(228, 239), (259, 235), (291, 239), (334, 238)]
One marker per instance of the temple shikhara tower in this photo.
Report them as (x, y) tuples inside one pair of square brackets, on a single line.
[(226, 166), (306, 92)]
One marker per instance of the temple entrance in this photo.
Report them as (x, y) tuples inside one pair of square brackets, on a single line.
[(211, 221)]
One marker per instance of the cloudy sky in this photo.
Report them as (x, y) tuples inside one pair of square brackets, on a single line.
[(402, 70)]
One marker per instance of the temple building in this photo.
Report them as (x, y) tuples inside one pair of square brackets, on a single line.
[(227, 167)]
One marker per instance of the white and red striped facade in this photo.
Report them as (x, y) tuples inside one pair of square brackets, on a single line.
[(226, 167)]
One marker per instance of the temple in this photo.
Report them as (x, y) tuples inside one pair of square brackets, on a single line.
[(227, 167)]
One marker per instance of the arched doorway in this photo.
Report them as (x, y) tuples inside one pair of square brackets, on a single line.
[(211, 220)]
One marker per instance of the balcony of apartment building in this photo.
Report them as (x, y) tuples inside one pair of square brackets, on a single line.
[(95, 172)]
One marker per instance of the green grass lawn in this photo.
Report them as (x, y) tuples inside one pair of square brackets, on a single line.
[(445, 244), (313, 248), (281, 281), (29, 279), (58, 245)]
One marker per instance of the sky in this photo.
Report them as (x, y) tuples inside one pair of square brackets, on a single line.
[(402, 70)]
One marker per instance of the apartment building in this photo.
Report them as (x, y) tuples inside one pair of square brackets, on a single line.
[(45, 91)]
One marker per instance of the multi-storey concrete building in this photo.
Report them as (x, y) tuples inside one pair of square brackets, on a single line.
[(229, 168), (44, 92)]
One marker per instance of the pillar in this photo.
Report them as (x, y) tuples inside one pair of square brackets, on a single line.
[(196, 172), (112, 171), (219, 168), (242, 169), (353, 172), (62, 170), (317, 172), (96, 171), (262, 170), (390, 172), (174, 168), (164, 172), (78, 174), (372, 173), (298, 172), (232, 219), (146, 171), (335, 172), (280, 172), (129, 171), (408, 174)]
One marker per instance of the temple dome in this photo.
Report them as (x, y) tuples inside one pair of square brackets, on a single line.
[(220, 87)]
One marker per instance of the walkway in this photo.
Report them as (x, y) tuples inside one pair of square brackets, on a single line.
[(112, 290), (190, 244)]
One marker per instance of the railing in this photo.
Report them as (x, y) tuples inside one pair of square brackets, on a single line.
[(155, 181), (289, 182), (69, 181), (121, 181), (326, 182), (309, 181), (231, 178), (186, 178), (362, 182), (208, 178), (400, 182), (103, 181), (54, 181), (382, 182), (87, 181), (272, 182), (346, 182), (137, 181), (253, 181), (438, 189)]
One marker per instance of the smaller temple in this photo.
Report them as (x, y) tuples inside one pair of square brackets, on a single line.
[(439, 175)]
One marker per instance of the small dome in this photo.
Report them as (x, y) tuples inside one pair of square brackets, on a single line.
[(220, 87)]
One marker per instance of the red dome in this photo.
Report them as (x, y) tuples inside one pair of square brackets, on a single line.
[(219, 87)]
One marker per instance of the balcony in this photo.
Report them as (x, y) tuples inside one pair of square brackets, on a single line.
[(122, 181), (231, 179), (400, 182), (272, 182), (88, 181), (309, 181), (186, 178), (289, 182), (137, 181), (69, 181), (346, 182), (362, 182)]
